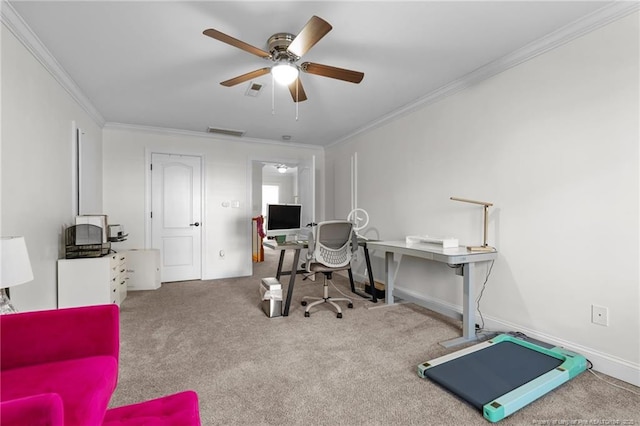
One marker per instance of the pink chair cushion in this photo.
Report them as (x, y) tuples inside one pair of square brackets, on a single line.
[(180, 409), (85, 386), (38, 337), (38, 410)]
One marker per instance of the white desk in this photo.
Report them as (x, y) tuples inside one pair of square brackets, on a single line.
[(464, 262)]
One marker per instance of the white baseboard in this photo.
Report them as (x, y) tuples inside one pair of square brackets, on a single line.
[(602, 362)]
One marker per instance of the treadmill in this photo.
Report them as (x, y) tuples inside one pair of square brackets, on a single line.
[(503, 374)]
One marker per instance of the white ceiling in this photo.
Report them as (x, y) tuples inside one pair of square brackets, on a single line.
[(148, 64)]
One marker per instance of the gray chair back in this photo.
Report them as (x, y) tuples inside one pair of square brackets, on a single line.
[(332, 243)]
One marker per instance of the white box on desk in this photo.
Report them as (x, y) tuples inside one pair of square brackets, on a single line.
[(447, 242), (143, 269)]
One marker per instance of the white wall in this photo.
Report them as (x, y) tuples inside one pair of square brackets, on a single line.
[(228, 176), (553, 143), (36, 166), (90, 171), (286, 184)]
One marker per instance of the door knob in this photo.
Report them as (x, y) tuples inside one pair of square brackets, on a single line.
[(195, 224)]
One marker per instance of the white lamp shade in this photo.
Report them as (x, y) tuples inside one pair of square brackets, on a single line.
[(15, 268), (284, 73)]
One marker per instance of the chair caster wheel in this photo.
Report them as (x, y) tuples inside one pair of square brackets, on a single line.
[(306, 314), (350, 305), (339, 315), (303, 303)]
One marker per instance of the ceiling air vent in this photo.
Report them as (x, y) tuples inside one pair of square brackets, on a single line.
[(253, 89), (228, 132)]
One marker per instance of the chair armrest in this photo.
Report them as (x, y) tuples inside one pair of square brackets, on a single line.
[(311, 247), (43, 409), (30, 338), (354, 242)]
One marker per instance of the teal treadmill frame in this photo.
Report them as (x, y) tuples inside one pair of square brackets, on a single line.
[(572, 365)]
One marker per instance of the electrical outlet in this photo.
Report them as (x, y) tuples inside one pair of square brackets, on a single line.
[(599, 315)]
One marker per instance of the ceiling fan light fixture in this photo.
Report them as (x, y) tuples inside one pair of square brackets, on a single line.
[(284, 73)]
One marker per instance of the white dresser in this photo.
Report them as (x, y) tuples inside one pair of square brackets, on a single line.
[(92, 281)]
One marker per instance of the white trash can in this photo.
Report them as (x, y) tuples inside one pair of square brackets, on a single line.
[(271, 294)]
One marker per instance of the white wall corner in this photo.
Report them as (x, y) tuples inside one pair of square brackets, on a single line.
[(19, 28), (599, 18)]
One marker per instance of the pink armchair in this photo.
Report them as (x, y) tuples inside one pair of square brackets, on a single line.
[(61, 366), (43, 409)]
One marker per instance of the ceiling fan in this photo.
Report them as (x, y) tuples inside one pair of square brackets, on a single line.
[(284, 51)]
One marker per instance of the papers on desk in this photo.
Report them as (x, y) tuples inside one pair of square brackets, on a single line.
[(289, 243), (444, 242)]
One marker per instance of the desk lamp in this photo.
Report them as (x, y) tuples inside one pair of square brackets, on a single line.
[(15, 269), (484, 246)]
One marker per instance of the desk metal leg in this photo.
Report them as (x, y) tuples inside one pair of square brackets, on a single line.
[(292, 280), (373, 296), (388, 263), (468, 309), (353, 286), (279, 271), (372, 283)]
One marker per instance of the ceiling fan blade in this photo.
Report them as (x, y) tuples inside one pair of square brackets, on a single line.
[(310, 34), (332, 72), (236, 43), (297, 93), (246, 77)]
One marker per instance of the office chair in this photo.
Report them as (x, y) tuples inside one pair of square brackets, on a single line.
[(330, 250)]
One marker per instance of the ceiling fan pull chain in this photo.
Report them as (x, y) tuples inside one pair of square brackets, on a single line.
[(273, 95), (297, 100)]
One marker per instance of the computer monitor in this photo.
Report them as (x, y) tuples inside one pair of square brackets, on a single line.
[(283, 219)]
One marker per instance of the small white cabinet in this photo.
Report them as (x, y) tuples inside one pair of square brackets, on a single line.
[(92, 281), (143, 269)]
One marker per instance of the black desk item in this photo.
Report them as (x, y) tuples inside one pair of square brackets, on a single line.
[(374, 298)]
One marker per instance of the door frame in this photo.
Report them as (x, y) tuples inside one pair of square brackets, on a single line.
[(148, 152), (261, 159), (270, 159)]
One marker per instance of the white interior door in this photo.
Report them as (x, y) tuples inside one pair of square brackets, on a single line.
[(307, 189), (176, 208)]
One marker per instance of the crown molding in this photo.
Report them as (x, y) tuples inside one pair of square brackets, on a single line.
[(599, 18), (14, 23), (191, 133), (578, 28)]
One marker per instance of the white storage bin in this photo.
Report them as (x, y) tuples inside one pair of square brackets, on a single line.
[(271, 294)]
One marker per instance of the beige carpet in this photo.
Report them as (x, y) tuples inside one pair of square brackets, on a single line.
[(248, 369)]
